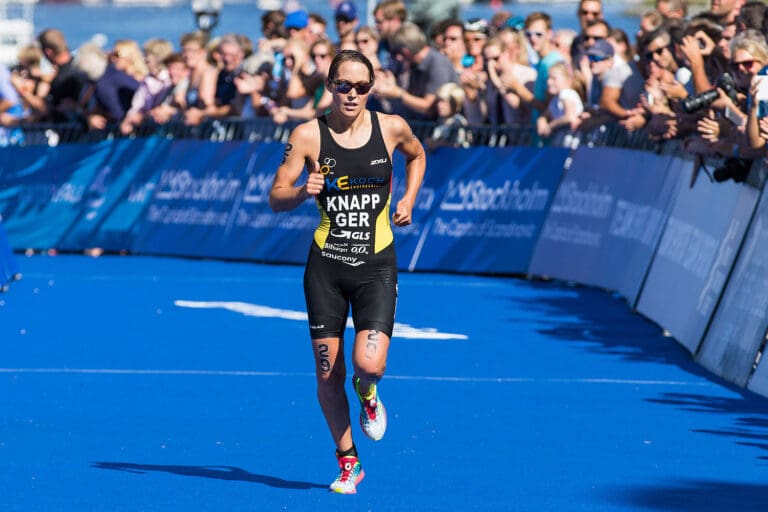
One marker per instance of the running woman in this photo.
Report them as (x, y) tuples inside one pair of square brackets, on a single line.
[(351, 262)]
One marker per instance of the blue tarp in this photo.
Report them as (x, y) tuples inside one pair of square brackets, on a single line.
[(695, 256), (607, 218)]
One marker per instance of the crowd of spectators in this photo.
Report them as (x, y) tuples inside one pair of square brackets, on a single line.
[(692, 78)]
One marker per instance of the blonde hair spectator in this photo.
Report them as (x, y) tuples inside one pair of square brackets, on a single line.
[(753, 42), (452, 93), (129, 50)]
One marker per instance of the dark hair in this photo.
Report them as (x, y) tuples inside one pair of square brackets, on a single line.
[(348, 56), (752, 15)]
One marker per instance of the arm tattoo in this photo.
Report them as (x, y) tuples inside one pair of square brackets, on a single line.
[(287, 152)]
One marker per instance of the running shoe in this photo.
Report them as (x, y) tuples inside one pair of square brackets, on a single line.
[(351, 474), (373, 416)]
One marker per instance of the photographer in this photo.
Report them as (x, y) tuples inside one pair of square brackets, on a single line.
[(725, 133)]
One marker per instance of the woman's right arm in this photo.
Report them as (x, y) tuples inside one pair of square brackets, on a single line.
[(302, 147)]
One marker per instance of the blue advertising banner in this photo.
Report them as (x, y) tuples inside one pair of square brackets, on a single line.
[(196, 189), (607, 217), (738, 327), (488, 207), (42, 190), (123, 183), (695, 256), (255, 231), (8, 267)]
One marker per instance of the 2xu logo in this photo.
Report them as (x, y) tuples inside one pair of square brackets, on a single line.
[(351, 235)]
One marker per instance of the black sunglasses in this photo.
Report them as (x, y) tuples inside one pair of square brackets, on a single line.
[(658, 51), (344, 86)]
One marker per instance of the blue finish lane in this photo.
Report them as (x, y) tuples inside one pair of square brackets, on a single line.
[(153, 384)]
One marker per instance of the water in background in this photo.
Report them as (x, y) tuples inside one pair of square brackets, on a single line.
[(81, 22)]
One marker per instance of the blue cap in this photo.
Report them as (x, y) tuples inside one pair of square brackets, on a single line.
[(601, 48), (346, 11), (515, 23), (297, 19)]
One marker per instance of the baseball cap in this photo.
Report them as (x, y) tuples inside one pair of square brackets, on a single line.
[(601, 48), (476, 25), (297, 19), (346, 11)]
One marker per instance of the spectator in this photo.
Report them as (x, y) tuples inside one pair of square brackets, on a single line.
[(428, 69), (566, 105), (672, 9), (170, 108), (389, 16), (27, 78), (538, 31), (114, 90), (131, 58), (726, 36), (367, 43), (317, 28), (11, 106), (346, 24), (321, 53), (511, 67), (733, 134), (454, 46), (727, 10), (301, 73), (451, 129), (296, 24), (751, 16), (254, 95), (232, 56), (703, 56), (587, 11), (562, 41), (473, 76), (154, 88), (475, 36), (650, 21), (63, 101), (202, 77), (616, 87)]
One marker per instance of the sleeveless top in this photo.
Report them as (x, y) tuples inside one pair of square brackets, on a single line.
[(354, 203)]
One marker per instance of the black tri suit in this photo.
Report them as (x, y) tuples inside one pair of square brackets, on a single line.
[(352, 259)]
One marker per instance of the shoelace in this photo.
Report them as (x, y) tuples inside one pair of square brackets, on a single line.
[(370, 408), (346, 471)]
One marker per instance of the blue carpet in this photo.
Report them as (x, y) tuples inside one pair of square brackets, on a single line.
[(144, 384)]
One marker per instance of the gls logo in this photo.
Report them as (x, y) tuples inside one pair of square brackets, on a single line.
[(350, 235)]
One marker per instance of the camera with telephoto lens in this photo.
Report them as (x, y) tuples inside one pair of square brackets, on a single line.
[(698, 101)]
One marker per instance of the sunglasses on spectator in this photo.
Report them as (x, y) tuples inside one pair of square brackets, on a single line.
[(745, 65), (593, 38), (590, 13), (596, 58), (362, 41), (345, 86), (530, 34), (477, 39), (658, 51)]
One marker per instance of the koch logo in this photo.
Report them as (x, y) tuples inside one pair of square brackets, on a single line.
[(379, 161)]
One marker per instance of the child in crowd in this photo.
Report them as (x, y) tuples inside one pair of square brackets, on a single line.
[(451, 126), (565, 106)]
